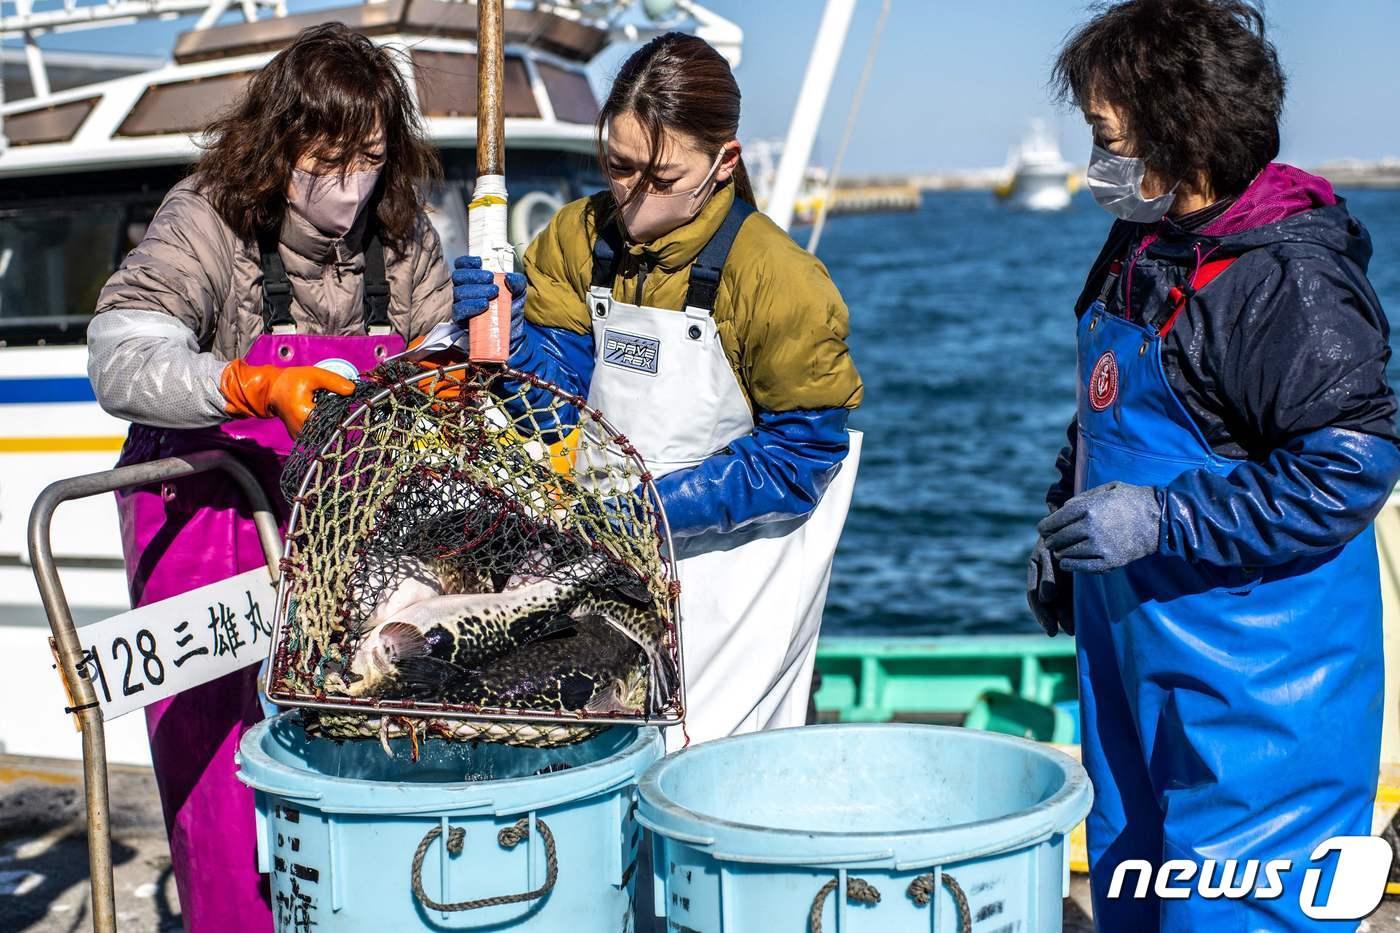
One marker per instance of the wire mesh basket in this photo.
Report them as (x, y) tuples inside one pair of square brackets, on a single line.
[(472, 553)]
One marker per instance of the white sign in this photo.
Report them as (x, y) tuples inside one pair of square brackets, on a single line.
[(154, 652)]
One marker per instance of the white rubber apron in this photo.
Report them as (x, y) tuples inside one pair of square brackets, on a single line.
[(752, 600)]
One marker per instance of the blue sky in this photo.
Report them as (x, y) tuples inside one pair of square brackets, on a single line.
[(956, 80)]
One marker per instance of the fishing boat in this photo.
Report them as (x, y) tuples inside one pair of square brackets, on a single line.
[(1037, 177)]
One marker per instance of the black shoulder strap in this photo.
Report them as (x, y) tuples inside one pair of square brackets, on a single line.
[(708, 267), (376, 285), (607, 251), (277, 289)]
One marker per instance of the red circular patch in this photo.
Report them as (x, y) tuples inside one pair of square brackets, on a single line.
[(1103, 382)]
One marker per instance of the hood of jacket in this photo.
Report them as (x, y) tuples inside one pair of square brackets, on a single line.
[(1283, 205)]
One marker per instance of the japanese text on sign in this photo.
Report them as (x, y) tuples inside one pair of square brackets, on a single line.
[(157, 651)]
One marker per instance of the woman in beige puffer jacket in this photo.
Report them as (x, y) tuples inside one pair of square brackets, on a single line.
[(296, 255)]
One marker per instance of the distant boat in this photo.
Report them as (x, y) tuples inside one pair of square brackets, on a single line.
[(1038, 177)]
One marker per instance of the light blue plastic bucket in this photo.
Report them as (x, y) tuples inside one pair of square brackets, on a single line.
[(750, 833), (344, 830)]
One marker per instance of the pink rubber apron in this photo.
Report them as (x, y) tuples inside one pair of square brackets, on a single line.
[(182, 535)]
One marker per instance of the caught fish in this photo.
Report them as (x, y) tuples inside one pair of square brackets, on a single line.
[(645, 628), (592, 669), (400, 582), (467, 631)]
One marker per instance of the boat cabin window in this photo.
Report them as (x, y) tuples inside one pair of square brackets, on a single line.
[(54, 261)]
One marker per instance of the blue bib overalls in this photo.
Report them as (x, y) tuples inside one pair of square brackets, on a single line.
[(1228, 713)]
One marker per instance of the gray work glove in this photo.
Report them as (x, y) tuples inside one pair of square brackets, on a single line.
[(1050, 592), (1104, 528)]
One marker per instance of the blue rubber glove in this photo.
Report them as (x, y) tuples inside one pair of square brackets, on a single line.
[(624, 515), (1308, 498), (474, 288), (779, 471), (558, 356), (1049, 591), (1104, 528)]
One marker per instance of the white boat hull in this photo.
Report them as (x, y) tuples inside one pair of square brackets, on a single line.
[(1040, 192)]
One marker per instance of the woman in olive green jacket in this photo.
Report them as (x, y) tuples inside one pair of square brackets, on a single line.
[(718, 347)]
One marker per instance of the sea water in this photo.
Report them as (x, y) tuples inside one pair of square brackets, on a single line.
[(962, 325)]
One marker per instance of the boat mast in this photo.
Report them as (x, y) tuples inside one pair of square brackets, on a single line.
[(802, 132)]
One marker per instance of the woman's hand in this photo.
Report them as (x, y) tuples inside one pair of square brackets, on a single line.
[(287, 393), (474, 288)]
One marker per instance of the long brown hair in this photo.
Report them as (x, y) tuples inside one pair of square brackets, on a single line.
[(677, 83), (328, 92)]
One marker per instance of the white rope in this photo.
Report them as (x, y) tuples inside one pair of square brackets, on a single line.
[(820, 222)]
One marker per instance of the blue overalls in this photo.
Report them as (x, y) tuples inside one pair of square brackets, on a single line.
[(1228, 713)]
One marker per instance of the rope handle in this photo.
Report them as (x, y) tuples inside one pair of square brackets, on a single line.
[(857, 889), (509, 838), (921, 890)]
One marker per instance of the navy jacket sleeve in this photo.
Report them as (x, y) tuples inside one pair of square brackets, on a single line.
[(1304, 373), (1308, 351), (1308, 498), (558, 356), (779, 471)]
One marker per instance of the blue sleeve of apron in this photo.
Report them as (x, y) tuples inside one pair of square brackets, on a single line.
[(559, 356), (779, 471), (1308, 498)]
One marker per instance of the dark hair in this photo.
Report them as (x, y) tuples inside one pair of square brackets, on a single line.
[(1198, 84), (677, 83), (328, 92)]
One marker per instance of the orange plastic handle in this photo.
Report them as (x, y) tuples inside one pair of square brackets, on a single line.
[(489, 333)]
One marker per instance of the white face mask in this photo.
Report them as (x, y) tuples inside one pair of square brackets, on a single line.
[(331, 202), (654, 215), (1116, 182)]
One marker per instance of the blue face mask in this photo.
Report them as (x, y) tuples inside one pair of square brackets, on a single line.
[(1116, 183)]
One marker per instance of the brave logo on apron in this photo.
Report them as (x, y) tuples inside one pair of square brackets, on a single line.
[(1103, 382), (631, 351)]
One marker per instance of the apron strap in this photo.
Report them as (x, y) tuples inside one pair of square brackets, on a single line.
[(376, 287), (277, 288), (1204, 275), (607, 250), (708, 267)]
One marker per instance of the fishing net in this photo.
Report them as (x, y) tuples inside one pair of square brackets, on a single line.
[(424, 492)]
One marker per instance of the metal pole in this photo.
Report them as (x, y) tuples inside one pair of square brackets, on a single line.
[(4, 140), (802, 133), (820, 223), (490, 88), (70, 652), (38, 74)]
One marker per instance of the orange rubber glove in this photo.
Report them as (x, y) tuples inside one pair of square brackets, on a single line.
[(277, 392), (447, 386)]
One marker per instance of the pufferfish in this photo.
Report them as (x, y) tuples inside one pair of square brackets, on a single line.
[(591, 668)]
